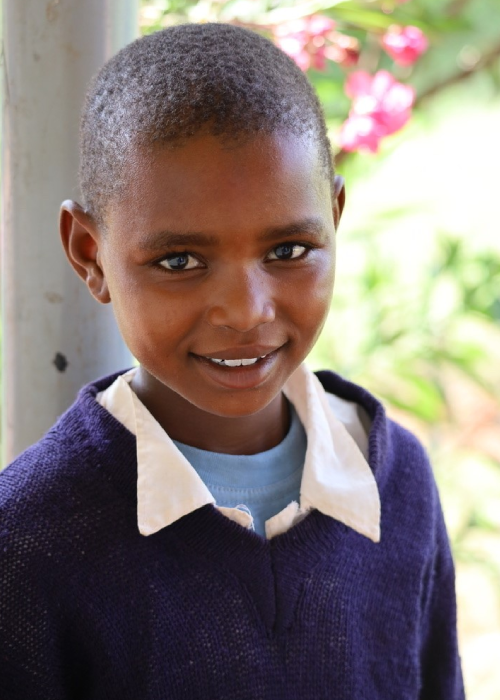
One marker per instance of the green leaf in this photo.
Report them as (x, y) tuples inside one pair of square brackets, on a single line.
[(296, 11), (417, 395)]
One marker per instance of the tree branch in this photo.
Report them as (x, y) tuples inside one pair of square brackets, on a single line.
[(485, 62)]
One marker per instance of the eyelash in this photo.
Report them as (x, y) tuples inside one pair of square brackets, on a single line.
[(292, 244)]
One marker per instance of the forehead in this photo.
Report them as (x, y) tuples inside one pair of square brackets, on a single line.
[(208, 183)]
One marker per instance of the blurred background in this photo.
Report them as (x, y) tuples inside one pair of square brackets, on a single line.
[(411, 92)]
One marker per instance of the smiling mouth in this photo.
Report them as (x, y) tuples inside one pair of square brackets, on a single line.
[(239, 373), (244, 362)]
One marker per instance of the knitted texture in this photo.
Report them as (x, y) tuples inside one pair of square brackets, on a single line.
[(92, 610)]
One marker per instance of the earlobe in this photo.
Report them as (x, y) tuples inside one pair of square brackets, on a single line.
[(81, 239), (338, 198)]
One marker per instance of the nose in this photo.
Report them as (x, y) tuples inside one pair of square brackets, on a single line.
[(241, 300)]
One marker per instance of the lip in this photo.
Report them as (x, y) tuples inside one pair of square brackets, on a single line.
[(244, 377), (244, 352)]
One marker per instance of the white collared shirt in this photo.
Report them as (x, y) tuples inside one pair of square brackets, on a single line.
[(336, 479)]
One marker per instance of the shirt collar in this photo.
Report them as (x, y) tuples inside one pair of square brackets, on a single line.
[(336, 480)]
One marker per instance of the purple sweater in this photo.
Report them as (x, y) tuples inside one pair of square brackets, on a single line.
[(92, 610)]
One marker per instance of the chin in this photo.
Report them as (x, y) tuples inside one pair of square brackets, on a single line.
[(236, 407)]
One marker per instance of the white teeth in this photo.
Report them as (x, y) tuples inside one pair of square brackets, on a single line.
[(234, 363), (238, 363)]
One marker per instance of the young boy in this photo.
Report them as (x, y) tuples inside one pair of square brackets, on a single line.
[(219, 522)]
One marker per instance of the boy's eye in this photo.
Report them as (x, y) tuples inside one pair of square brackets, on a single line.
[(180, 261), (287, 251)]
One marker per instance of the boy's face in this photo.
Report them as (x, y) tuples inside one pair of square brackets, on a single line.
[(224, 253)]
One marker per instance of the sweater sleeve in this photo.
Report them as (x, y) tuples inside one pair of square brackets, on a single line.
[(31, 639), (440, 661)]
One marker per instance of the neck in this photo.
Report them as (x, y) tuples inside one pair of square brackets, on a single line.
[(186, 423)]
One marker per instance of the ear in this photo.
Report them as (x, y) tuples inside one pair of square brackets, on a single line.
[(81, 239), (338, 198)]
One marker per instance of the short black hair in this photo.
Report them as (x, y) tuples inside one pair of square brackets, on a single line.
[(168, 86)]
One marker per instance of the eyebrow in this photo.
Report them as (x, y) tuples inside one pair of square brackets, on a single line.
[(313, 226), (164, 239), (167, 239)]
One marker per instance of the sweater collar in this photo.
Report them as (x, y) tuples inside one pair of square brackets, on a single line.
[(102, 443), (337, 480)]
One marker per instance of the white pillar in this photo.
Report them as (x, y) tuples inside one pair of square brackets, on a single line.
[(55, 336)]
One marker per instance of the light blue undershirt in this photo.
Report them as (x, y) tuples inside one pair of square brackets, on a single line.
[(265, 482)]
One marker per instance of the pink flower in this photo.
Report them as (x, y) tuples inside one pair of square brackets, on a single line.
[(380, 106), (319, 25), (360, 133), (344, 49), (304, 40), (404, 44), (294, 46)]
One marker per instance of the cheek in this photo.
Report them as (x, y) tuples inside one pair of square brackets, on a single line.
[(317, 297), (147, 319), (320, 298), (307, 301)]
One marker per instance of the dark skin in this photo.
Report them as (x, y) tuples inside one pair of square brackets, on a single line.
[(216, 252)]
